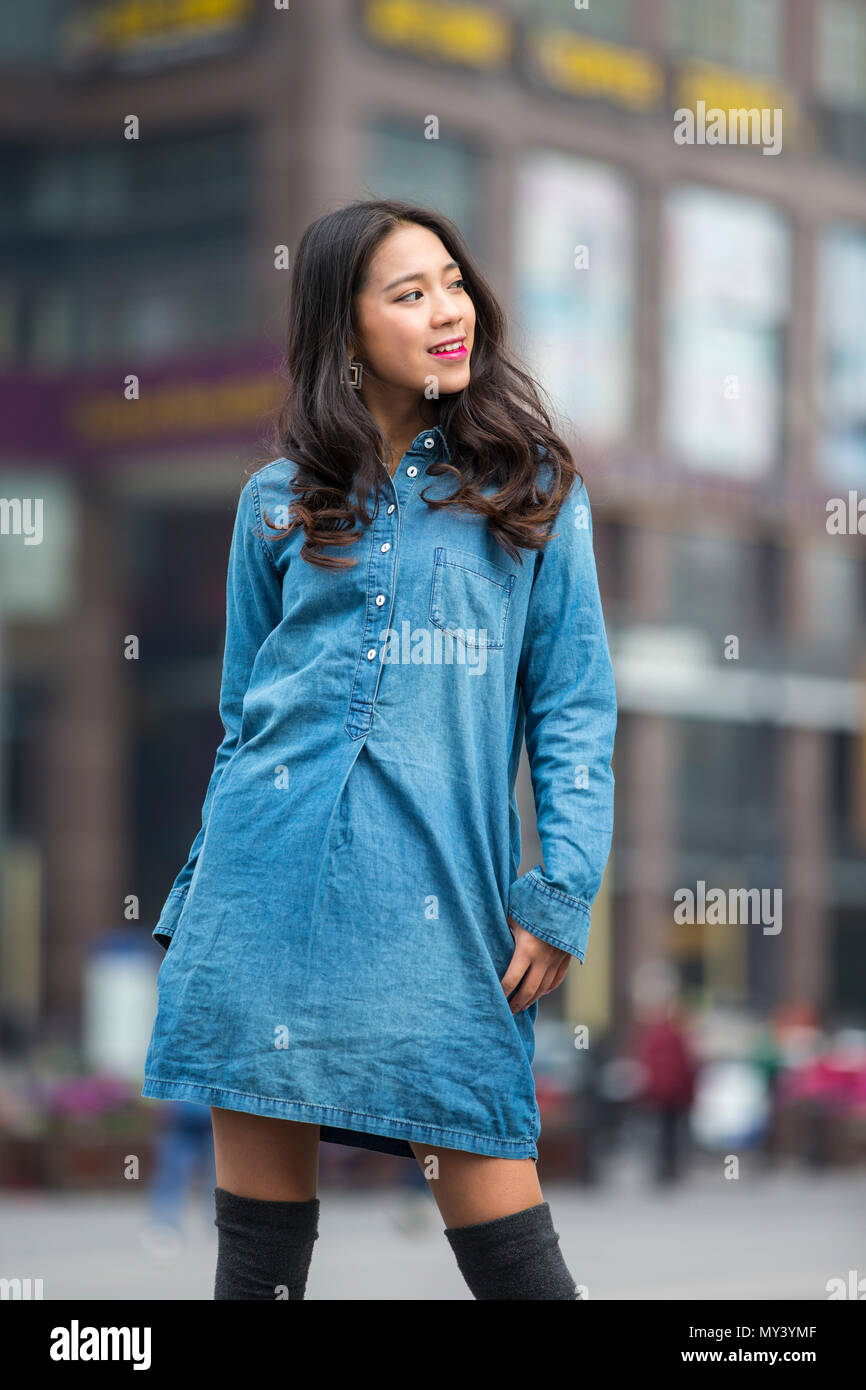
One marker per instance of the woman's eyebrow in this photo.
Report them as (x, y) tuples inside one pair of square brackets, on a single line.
[(418, 275)]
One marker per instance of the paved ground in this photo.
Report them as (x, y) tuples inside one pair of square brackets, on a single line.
[(764, 1236)]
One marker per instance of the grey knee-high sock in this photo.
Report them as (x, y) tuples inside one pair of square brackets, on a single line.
[(513, 1257), (264, 1248)]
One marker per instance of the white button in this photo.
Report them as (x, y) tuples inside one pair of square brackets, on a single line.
[(371, 653), (391, 508), (386, 546), (428, 442), (380, 599), (412, 470)]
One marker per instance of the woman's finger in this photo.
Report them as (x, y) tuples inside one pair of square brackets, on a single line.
[(528, 990), (517, 968)]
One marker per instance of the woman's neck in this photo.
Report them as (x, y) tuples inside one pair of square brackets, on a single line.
[(400, 427)]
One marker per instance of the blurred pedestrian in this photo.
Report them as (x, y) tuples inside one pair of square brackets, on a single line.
[(659, 1044), (184, 1154), (767, 1059)]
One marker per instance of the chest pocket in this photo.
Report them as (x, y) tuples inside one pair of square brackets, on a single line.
[(469, 597)]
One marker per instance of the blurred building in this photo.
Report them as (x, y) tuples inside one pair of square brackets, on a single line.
[(695, 310)]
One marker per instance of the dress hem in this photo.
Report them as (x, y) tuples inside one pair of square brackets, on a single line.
[(338, 1121)]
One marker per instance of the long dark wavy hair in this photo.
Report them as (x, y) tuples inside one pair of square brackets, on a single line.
[(497, 428)]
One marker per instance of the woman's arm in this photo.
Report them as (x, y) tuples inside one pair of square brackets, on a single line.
[(569, 693), (253, 609)]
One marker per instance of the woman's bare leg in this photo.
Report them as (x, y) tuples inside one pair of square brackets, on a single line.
[(498, 1225), (471, 1188), (261, 1156)]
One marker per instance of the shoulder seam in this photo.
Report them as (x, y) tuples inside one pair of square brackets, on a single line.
[(272, 464)]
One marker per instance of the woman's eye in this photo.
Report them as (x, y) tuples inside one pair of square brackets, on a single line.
[(404, 298)]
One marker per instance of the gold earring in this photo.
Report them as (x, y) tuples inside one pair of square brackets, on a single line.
[(356, 373)]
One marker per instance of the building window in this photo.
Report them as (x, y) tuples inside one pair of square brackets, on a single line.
[(847, 812), (726, 797), (609, 19), (725, 585), (137, 188), (840, 62), (727, 301), (398, 162), (30, 34), (186, 305), (738, 33), (842, 355), (574, 289), (834, 612), (140, 248)]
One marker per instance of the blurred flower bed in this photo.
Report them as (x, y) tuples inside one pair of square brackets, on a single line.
[(795, 1090), (62, 1126)]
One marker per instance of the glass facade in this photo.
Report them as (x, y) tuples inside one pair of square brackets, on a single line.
[(739, 33), (726, 585), (184, 305), (727, 834), (727, 302), (30, 34), (841, 304), (126, 248), (175, 724), (574, 288), (399, 162), (726, 794), (840, 56), (833, 611), (613, 19), (847, 824)]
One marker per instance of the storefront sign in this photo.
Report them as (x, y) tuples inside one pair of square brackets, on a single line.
[(471, 35), (75, 418), (594, 70), (147, 35), (704, 87)]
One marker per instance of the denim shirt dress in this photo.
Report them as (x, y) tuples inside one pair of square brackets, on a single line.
[(336, 939)]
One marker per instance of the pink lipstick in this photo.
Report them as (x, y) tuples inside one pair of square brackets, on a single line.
[(451, 351)]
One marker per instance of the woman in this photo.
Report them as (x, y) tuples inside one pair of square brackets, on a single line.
[(351, 955)]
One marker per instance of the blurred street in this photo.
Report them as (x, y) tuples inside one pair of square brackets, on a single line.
[(781, 1235)]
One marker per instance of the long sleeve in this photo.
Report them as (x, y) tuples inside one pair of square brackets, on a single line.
[(253, 610), (569, 693)]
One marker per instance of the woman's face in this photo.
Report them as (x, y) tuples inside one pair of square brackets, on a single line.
[(414, 300)]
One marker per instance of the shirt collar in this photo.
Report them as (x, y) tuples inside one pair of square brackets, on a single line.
[(439, 448)]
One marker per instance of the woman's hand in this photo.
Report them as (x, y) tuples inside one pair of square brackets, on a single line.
[(544, 967)]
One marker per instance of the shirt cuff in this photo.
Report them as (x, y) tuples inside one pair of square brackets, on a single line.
[(164, 929), (551, 915)]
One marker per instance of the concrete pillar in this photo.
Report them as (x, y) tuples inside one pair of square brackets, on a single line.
[(646, 802), (83, 783), (806, 946)]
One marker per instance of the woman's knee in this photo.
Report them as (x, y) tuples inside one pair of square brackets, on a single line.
[(470, 1187), (266, 1157)]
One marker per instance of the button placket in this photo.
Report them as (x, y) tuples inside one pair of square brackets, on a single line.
[(381, 582)]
